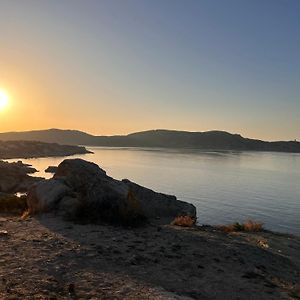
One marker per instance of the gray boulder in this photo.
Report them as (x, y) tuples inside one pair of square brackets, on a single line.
[(158, 205), (69, 207), (51, 169), (101, 196), (45, 195), (82, 190)]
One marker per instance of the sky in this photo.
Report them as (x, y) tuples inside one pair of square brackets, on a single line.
[(121, 66)]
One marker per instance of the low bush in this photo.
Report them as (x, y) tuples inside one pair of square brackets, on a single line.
[(184, 221)]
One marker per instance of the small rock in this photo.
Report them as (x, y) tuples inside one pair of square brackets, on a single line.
[(51, 169), (3, 233)]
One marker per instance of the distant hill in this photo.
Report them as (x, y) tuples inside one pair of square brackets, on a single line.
[(209, 140), (64, 137)]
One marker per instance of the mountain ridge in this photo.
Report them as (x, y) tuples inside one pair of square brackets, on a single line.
[(164, 138)]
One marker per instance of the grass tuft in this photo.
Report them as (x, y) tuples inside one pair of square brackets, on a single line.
[(184, 221), (248, 226)]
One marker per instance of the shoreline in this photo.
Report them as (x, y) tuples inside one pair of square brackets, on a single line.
[(42, 163), (35, 149)]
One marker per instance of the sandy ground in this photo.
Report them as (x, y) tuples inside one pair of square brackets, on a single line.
[(47, 258)]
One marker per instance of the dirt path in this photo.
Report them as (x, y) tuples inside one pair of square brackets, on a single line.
[(47, 258)]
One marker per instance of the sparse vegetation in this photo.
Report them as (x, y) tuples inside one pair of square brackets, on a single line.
[(248, 226), (184, 221)]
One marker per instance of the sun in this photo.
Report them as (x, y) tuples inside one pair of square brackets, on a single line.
[(3, 99)]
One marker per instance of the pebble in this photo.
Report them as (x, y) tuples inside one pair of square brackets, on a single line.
[(3, 233)]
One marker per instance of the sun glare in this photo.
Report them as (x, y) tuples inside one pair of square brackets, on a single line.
[(3, 99)]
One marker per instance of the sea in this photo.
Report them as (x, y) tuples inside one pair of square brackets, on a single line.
[(225, 186)]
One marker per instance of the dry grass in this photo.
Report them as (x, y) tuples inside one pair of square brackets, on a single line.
[(26, 214), (248, 226), (184, 221), (251, 226)]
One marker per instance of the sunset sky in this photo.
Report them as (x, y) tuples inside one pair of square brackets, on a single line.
[(119, 66)]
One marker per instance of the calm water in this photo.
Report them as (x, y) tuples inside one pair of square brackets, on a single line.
[(224, 186)]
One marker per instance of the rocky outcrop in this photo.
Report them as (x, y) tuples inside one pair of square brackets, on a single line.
[(10, 203), (27, 149), (51, 169), (14, 177), (82, 190), (158, 205)]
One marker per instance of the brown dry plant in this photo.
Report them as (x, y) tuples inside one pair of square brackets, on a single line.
[(184, 221)]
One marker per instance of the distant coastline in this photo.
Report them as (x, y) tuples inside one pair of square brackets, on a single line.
[(208, 140), (36, 149)]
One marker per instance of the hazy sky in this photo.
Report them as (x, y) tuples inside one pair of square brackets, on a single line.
[(118, 66)]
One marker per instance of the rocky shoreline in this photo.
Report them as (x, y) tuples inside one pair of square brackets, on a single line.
[(86, 235), (35, 149), (15, 178)]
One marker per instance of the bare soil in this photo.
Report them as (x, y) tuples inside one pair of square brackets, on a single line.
[(48, 258)]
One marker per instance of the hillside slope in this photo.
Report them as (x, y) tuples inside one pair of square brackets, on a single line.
[(209, 140)]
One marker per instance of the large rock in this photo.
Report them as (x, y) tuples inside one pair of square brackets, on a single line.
[(81, 189), (45, 195), (100, 195), (51, 169), (14, 177), (158, 205)]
